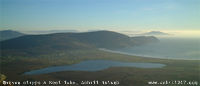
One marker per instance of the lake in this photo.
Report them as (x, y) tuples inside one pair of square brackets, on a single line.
[(94, 65)]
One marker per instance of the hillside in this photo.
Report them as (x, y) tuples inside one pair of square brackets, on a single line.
[(9, 34), (40, 44), (140, 40), (103, 39), (45, 44)]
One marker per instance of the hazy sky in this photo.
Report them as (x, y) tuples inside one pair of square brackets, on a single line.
[(100, 14)]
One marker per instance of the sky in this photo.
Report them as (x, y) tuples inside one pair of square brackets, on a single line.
[(139, 15)]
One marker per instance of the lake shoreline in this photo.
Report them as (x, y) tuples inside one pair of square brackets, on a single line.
[(98, 65)]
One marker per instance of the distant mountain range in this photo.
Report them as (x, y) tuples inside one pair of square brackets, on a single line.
[(155, 33), (51, 31), (9, 34), (49, 43)]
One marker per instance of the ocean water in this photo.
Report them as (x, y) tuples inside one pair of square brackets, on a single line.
[(168, 48)]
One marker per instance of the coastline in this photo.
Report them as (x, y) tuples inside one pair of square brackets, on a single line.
[(139, 55)]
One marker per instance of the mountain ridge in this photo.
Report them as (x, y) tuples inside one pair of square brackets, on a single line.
[(155, 33), (49, 43), (9, 34)]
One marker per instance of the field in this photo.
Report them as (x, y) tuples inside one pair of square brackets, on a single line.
[(187, 71)]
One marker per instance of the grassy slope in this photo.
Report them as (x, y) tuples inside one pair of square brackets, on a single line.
[(175, 69)]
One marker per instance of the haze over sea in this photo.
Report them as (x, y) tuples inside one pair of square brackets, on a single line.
[(168, 48)]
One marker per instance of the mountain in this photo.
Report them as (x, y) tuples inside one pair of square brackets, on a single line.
[(155, 33), (9, 34), (51, 31), (30, 45), (140, 40), (49, 43), (103, 39)]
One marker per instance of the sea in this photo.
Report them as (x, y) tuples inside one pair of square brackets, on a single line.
[(167, 48)]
